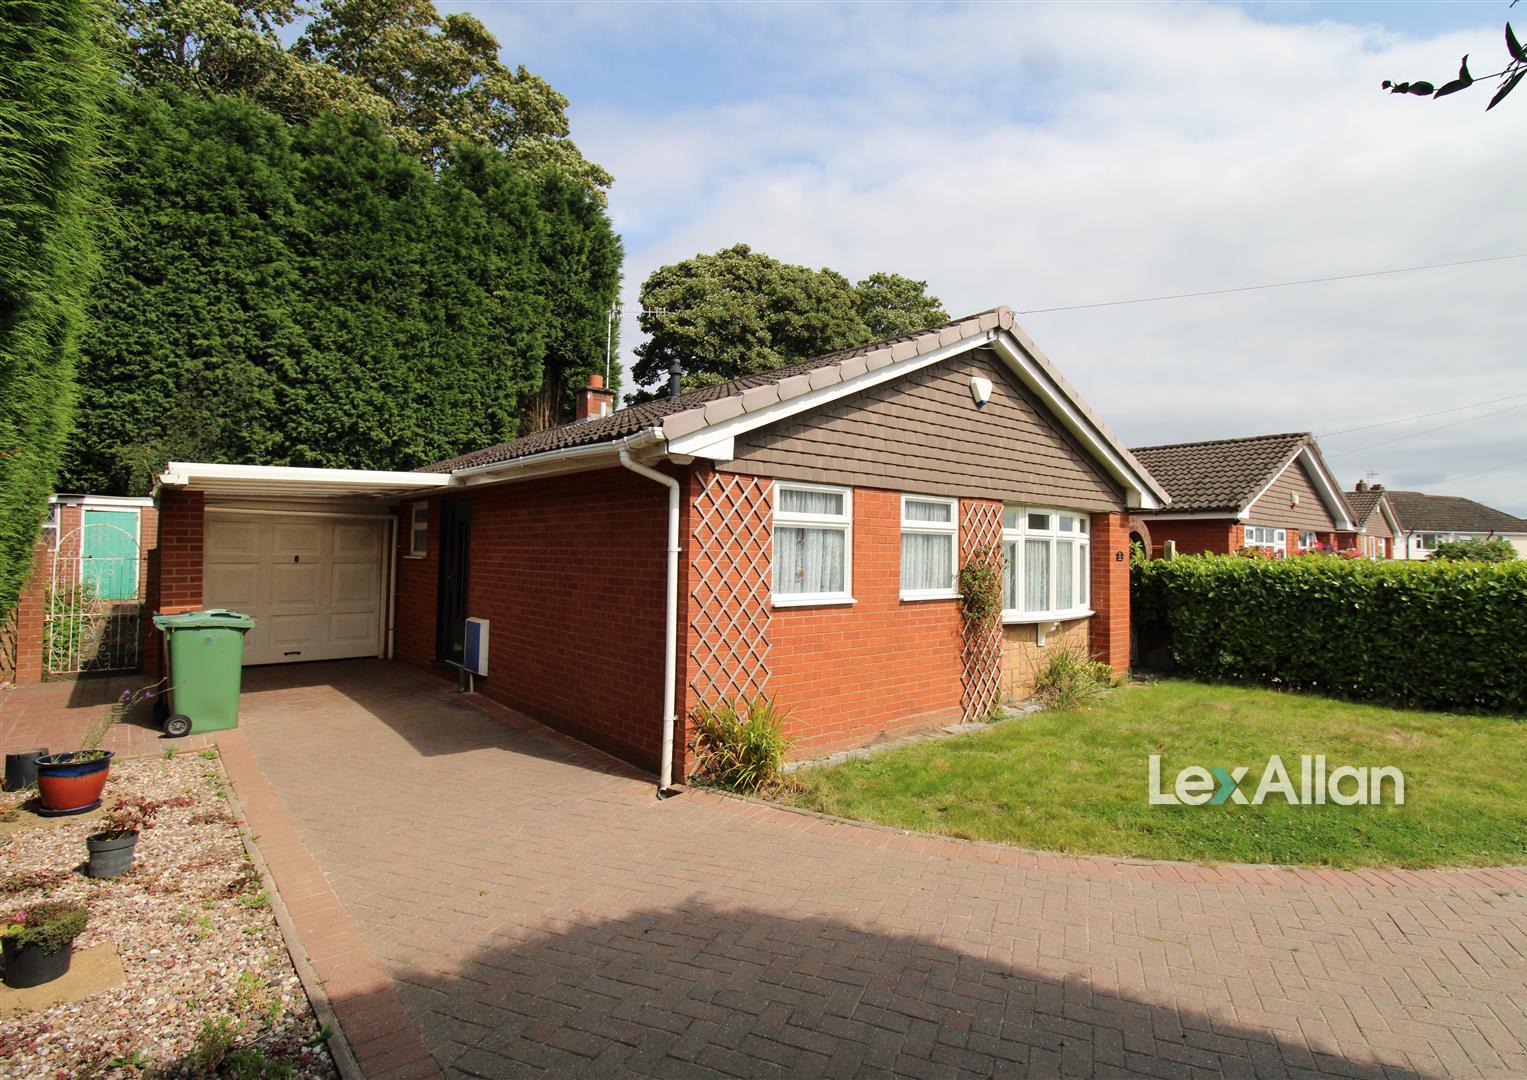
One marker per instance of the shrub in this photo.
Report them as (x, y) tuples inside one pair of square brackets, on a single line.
[(1069, 678), (51, 924), (1424, 634), (740, 746), (1479, 550)]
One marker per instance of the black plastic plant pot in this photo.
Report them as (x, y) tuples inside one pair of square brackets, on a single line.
[(21, 769), (110, 855), (33, 965)]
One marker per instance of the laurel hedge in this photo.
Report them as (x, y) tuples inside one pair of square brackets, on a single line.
[(1448, 635)]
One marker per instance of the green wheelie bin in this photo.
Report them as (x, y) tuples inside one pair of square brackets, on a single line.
[(206, 654)]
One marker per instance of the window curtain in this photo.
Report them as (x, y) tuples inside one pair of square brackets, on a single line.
[(793, 501), (1036, 575), (1065, 576), (1010, 576), (927, 559), (808, 560), (926, 511)]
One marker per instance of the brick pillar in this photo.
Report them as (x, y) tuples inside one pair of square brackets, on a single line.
[(179, 579), (1109, 630), (30, 608)]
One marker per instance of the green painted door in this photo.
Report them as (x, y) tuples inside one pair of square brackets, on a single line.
[(109, 554)]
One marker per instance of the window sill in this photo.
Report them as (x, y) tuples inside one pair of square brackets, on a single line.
[(415, 556), (809, 601), (914, 597), (1028, 618)]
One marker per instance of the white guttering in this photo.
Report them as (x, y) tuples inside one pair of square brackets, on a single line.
[(671, 624), (548, 462)]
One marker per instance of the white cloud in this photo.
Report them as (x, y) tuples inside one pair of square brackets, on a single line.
[(1048, 155)]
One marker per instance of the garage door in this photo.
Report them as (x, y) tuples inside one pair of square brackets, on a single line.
[(313, 584)]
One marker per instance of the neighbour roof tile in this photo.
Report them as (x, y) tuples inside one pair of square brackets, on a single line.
[(1363, 503), (1420, 512), (1223, 474)]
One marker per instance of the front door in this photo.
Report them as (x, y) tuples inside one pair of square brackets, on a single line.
[(455, 556)]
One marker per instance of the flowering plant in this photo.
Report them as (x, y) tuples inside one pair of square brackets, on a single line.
[(129, 815), (90, 746), (51, 924)]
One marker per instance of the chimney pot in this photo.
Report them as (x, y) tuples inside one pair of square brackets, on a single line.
[(594, 400), (1362, 485)]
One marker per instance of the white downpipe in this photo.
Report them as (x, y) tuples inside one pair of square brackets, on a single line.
[(671, 629)]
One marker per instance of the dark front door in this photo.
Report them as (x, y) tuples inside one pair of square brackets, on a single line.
[(455, 557)]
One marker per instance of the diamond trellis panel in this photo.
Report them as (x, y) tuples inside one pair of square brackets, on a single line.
[(731, 608), (981, 652)]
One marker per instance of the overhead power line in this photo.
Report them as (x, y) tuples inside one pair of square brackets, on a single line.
[(1478, 472), (1421, 416), (1428, 431), (1276, 284)]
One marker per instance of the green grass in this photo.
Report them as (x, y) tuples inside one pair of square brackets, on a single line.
[(1076, 781)]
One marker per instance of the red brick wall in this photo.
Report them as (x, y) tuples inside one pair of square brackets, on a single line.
[(570, 571), (847, 673), (1109, 629), (1218, 535)]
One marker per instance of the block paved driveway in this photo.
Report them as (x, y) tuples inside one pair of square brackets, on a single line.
[(538, 914)]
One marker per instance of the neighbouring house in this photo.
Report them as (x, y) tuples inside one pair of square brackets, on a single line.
[(81, 610), (1375, 526), (1266, 491), (1427, 520), (797, 534)]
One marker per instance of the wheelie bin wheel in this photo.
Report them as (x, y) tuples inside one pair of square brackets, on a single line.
[(177, 726)]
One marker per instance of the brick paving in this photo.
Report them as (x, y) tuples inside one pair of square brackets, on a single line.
[(55, 715), (537, 914)]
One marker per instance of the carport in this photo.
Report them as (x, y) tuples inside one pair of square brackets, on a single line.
[(310, 553)]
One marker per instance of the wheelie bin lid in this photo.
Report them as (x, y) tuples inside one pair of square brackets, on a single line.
[(200, 620)]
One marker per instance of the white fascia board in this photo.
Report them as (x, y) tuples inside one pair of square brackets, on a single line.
[(1394, 522), (569, 459), (101, 500), (186, 473), (722, 436)]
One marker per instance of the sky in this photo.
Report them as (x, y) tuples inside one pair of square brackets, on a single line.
[(1047, 155)]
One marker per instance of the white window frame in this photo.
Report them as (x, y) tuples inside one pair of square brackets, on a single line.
[(1081, 569), (1313, 542), (418, 518), (950, 528), (1277, 538), (843, 522)]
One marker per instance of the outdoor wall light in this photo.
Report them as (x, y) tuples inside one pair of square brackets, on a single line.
[(980, 389)]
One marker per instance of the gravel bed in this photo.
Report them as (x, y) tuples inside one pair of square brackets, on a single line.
[(210, 987)]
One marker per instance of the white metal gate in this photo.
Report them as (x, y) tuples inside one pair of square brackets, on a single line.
[(93, 611)]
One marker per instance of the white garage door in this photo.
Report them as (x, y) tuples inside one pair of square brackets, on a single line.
[(314, 585)]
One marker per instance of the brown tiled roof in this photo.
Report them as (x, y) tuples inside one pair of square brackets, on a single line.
[(635, 418), (1363, 503), (1222, 475), (1419, 512)]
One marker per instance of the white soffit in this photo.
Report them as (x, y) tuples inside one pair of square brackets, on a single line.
[(289, 482)]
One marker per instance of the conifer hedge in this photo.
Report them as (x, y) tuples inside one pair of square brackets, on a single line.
[(52, 79), (1446, 635)]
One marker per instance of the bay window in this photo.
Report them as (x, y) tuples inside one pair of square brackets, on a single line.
[(1262, 536), (929, 547), (1046, 569), (813, 544)]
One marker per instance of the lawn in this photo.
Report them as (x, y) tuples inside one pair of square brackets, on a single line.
[(1076, 781)]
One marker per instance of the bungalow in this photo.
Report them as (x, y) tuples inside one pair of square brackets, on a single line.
[(1427, 520), (1374, 521), (1267, 491), (797, 534)]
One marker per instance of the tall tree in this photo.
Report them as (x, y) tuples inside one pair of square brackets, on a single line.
[(892, 305), (310, 294), (739, 312), (430, 80), (53, 77)]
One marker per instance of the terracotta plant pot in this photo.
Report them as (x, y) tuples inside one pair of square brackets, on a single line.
[(110, 855), (69, 786), (32, 965)]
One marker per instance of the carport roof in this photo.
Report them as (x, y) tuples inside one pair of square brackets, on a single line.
[(289, 482)]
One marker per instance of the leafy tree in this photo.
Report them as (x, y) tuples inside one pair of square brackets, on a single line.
[(1496, 550), (53, 77), (892, 305), (429, 80), (311, 294), (1510, 75), (739, 312)]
